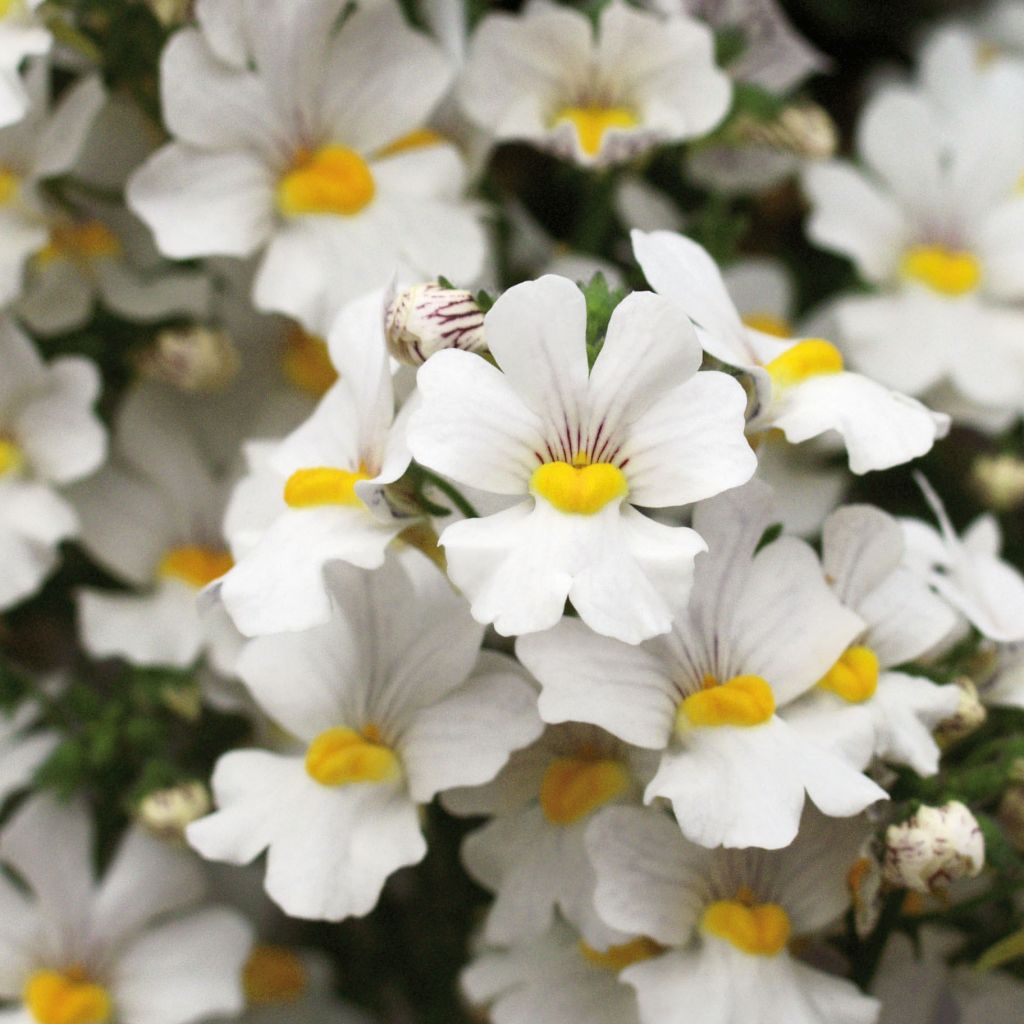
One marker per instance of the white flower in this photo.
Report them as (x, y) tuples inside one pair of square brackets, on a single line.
[(802, 387), (531, 852), (726, 918), (599, 98), (151, 517), (760, 630), (108, 948), (861, 704), (938, 845), (304, 142), (22, 748), (932, 225), (967, 571), (315, 498), (21, 35), (913, 978), (556, 978), (49, 436), (578, 450), (389, 709), (983, 998)]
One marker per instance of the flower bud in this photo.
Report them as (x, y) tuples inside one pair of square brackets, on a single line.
[(192, 358), (426, 318), (999, 479), (938, 845), (865, 882), (167, 812), (970, 715), (804, 129)]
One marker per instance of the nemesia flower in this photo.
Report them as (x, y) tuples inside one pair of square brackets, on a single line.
[(151, 517), (557, 978), (913, 979), (22, 35), (22, 748), (967, 571), (307, 143), (77, 950), (760, 629), (49, 436), (315, 498), (721, 921), (935, 847), (802, 386), (43, 144), (861, 703), (530, 854), (390, 710), (578, 449), (930, 224), (599, 97)]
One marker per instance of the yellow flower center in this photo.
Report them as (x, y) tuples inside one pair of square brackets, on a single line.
[(618, 958), (9, 181), (742, 700), (761, 929), (341, 756), (421, 138), (306, 363), (273, 975), (573, 787), (195, 565), (591, 123), (947, 271), (579, 487), (769, 323), (854, 677), (66, 997), (334, 179), (323, 485), (811, 358), (11, 457), (82, 243)]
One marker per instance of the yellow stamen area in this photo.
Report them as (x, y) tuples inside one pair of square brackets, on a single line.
[(579, 489), (769, 323), (742, 700), (83, 243), (421, 138), (11, 458), (947, 271), (323, 485), (854, 677), (273, 975), (618, 958), (66, 997), (814, 357), (591, 123), (9, 181), (195, 565), (306, 363), (341, 756), (760, 930), (573, 787), (334, 179)]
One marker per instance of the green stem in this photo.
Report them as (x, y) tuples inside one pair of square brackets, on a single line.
[(450, 492)]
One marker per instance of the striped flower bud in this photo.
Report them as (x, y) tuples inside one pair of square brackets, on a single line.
[(426, 318), (935, 847)]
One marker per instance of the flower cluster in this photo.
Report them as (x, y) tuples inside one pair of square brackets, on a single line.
[(424, 513)]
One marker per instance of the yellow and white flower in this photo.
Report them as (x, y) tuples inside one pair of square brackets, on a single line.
[(22, 35), (577, 450), (726, 919), (390, 702), (803, 388), (49, 437), (599, 97), (760, 629), (861, 704), (305, 140), (132, 946)]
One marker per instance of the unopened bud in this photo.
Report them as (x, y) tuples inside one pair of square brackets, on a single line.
[(935, 847), (191, 358), (804, 129), (1011, 816), (999, 480), (970, 716), (166, 813), (865, 881), (170, 13), (426, 318)]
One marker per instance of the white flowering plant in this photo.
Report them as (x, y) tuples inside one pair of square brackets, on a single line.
[(511, 512)]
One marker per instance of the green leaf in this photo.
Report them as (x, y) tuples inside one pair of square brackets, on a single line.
[(601, 303), (1003, 952)]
